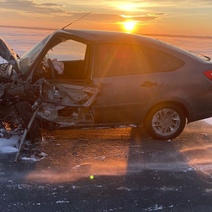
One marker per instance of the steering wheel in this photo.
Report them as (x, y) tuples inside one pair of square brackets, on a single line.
[(51, 67)]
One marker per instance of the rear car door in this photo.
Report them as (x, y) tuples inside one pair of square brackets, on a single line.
[(131, 77), (127, 83)]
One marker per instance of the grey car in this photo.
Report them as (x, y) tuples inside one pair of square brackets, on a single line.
[(92, 79)]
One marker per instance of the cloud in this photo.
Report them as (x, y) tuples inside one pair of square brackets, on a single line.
[(182, 3), (51, 5), (116, 17), (144, 17), (30, 6), (105, 6), (60, 11), (105, 11)]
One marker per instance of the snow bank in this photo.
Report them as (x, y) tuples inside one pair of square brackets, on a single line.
[(8, 145)]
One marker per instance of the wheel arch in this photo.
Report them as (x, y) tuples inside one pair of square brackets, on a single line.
[(182, 106), (164, 128)]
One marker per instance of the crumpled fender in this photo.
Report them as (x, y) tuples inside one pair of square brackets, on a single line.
[(7, 53)]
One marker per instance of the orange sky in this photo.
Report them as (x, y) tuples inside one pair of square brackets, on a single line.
[(185, 17)]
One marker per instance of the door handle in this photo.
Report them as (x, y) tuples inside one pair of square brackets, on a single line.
[(148, 84)]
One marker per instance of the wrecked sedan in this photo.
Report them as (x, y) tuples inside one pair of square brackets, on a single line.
[(91, 79)]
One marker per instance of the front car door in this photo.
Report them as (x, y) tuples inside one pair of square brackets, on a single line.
[(67, 92)]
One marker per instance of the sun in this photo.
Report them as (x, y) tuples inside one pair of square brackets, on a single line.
[(129, 25)]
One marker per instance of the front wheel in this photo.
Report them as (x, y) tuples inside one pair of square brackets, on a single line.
[(165, 121)]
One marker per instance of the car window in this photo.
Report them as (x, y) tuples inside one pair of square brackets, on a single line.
[(115, 60), (68, 50), (160, 61), (2, 60), (72, 55), (124, 59)]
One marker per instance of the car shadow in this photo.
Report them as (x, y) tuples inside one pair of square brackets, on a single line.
[(175, 173), (148, 153)]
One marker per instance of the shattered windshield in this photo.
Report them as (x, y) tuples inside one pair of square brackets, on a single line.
[(29, 57)]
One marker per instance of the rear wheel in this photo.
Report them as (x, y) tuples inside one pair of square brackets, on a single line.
[(165, 121)]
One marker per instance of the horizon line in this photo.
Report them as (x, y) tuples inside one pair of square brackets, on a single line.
[(145, 34), (26, 27)]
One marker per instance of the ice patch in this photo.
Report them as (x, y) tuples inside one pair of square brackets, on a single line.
[(155, 208), (34, 158), (62, 201), (8, 145)]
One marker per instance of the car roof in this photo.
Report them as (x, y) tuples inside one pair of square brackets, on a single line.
[(96, 36), (110, 36)]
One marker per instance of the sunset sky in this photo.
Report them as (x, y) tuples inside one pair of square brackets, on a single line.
[(183, 17)]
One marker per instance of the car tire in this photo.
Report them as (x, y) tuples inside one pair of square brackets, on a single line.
[(165, 122)]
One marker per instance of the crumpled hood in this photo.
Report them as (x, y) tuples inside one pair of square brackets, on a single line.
[(7, 53)]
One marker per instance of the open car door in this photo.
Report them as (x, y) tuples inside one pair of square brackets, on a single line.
[(67, 93), (67, 104)]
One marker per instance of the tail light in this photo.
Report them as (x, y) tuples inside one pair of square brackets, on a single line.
[(208, 74)]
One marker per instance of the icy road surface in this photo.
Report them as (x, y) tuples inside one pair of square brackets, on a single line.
[(112, 170)]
